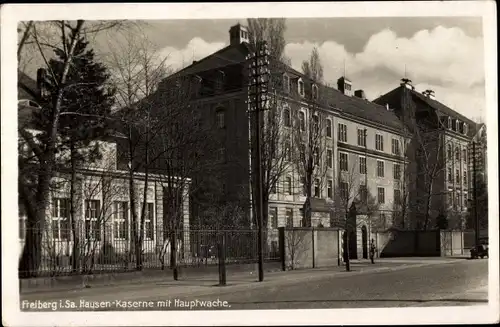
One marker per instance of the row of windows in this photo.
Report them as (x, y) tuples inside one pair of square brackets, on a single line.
[(456, 200), (449, 152), (343, 189), (344, 166), (300, 87), (457, 176), (61, 227)]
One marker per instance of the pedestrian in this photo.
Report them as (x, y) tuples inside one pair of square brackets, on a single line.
[(372, 250)]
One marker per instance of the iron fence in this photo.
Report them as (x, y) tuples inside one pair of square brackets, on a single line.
[(88, 250)]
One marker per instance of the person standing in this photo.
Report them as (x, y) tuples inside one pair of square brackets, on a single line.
[(372, 251)]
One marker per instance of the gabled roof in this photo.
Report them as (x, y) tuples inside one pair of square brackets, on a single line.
[(231, 54), (357, 107), (394, 96)]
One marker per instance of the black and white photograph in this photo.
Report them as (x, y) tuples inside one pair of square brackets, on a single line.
[(249, 163)]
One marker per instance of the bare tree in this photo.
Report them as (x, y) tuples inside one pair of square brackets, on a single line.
[(352, 197), (428, 150), (295, 244), (309, 136), (276, 148)]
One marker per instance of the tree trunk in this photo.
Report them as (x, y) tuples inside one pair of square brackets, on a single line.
[(75, 266)]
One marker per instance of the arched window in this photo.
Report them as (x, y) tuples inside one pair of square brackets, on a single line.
[(457, 153), (449, 151), (316, 124), (465, 128), (302, 121), (301, 87), (315, 92), (329, 131), (286, 118)]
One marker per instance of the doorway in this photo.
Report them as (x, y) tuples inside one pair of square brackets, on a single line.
[(364, 239)]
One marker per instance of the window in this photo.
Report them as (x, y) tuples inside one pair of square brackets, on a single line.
[(454, 124), (450, 198), (465, 129), (220, 117), (330, 189), (149, 221), (381, 195), (288, 185), (288, 151), (449, 122), (465, 200), (273, 188), (329, 131), (449, 151), (273, 217), (450, 175), (301, 87), (457, 176), (286, 118), (302, 121), (343, 161), (397, 197), (316, 156), (60, 218), (457, 153), (219, 82), (464, 155), (362, 165), (316, 124), (329, 158), (395, 147), (344, 190), (317, 189), (303, 182), (342, 133), (120, 220), (457, 200), (92, 223), (362, 137), (363, 193), (465, 177), (289, 217), (286, 83), (221, 154), (396, 171), (380, 168), (315, 92), (379, 142)]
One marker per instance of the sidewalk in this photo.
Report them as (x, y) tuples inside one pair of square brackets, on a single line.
[(188, 283)]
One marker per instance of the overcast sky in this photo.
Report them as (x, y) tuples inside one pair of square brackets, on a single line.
[(441, 53)]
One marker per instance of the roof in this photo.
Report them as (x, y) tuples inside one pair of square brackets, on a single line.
[(351, 105), (394, 96)]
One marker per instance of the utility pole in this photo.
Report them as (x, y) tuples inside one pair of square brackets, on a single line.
[(258, 91)]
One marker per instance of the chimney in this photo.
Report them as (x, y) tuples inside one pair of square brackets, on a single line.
[(195, 61), (344, 86), (360, 94), (238, 34), (429, 93), (407, 83)]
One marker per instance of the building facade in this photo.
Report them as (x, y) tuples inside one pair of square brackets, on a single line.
[(362, 142), (103, 216)]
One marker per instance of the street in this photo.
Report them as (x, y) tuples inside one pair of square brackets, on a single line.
[(410, 283)]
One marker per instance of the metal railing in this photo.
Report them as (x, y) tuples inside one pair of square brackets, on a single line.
[(88, 250)]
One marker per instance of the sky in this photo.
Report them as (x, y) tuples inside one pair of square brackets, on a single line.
[(444, 54)]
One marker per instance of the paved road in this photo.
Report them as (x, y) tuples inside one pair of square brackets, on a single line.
[(461, 282)]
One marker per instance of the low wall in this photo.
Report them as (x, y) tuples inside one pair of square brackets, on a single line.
[(309, 247), (432, 243)]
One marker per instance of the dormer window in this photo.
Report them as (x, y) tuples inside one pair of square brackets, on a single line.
[(219, 82), (315, 92), (301, 87), (449, 122), (465, 129), (286, 83), (454, 124)]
